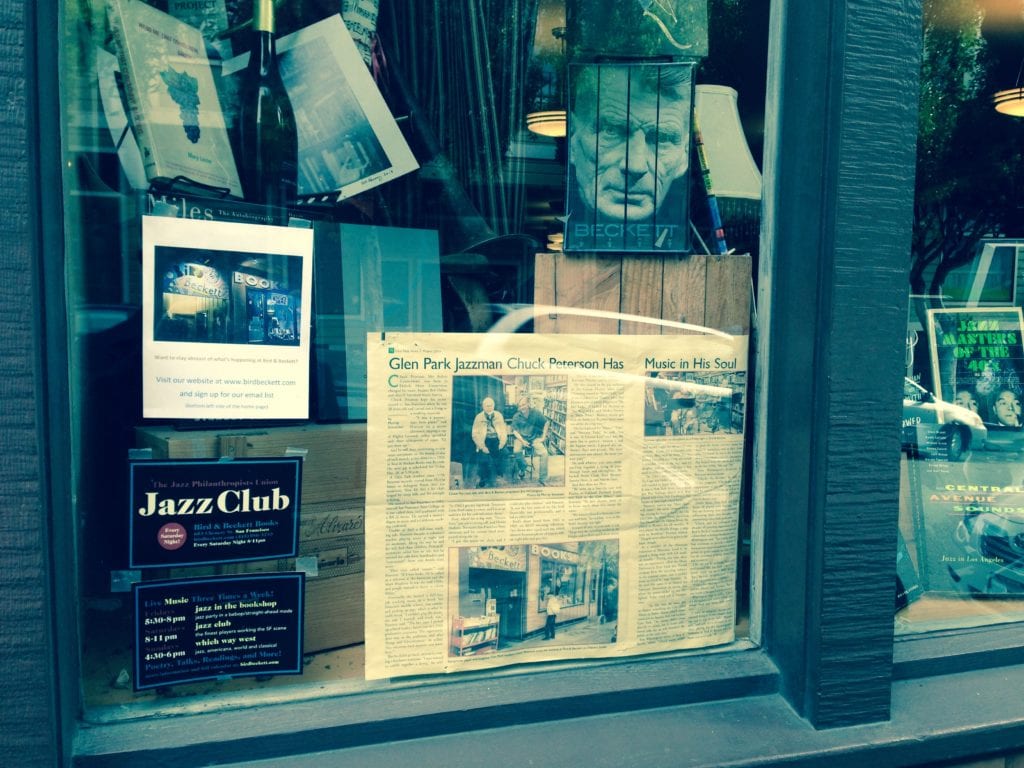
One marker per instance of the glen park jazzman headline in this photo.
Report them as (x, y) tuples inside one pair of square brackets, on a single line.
[(553, 363)]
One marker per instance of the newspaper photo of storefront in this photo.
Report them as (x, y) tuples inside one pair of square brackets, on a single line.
[(517, 596)]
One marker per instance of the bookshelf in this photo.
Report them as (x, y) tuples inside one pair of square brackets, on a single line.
[(472, 635), (554, 410)]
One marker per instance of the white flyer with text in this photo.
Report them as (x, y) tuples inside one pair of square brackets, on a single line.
[(225, 313)]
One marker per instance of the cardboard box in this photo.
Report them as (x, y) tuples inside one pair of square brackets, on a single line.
[(334, 467), (331, 518)]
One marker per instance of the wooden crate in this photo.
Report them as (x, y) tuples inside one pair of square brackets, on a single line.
[(334, 467)]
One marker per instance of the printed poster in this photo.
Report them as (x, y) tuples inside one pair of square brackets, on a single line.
[(226, 320), (201, 512), (199, 629)]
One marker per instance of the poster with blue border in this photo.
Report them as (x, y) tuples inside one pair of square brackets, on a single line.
[(210, 628), (201, 511)]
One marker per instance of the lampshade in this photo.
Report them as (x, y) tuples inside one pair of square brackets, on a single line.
[(732, 167), (1010, 101), (547, 117), (549, 122)]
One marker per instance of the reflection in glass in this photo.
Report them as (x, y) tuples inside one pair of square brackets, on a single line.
[(962, 478)]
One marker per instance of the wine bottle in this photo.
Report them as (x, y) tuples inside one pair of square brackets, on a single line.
[(268, 140)]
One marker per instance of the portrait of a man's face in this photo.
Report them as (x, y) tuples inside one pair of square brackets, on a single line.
[(629, 148)]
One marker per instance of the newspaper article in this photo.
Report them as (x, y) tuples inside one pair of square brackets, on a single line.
[(540, 497)]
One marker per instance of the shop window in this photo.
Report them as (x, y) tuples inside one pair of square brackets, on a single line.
[(960, 561), (390, 325)]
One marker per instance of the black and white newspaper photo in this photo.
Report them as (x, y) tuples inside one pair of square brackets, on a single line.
[(548, 497)]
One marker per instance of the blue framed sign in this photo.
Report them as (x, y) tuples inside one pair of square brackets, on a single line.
[(200, 512), (232, 626)]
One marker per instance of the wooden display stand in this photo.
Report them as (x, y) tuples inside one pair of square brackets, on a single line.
[(473, 635), (705, 290)]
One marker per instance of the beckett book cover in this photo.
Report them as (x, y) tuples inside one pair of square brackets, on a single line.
[(175, 112), (629, 148)]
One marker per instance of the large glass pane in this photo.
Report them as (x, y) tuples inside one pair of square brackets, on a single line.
[(961, 523), (419, 327)]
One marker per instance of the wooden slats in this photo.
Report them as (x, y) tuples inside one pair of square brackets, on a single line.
[(711, 291)]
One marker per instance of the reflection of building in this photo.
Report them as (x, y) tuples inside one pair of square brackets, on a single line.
[(195, 303), (515, 580)]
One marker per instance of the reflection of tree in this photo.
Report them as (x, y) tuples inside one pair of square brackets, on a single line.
[(968, 155)]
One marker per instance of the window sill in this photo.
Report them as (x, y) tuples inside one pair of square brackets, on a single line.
[(960, 716), (414, 709), (963, 650)]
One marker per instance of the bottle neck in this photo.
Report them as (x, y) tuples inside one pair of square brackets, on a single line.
[(263, 16), (264, 46), (264, 52)]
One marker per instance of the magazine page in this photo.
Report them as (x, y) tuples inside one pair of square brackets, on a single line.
[(349, 141), (543, 497)]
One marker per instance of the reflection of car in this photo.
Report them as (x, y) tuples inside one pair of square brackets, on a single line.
[(935, 427)]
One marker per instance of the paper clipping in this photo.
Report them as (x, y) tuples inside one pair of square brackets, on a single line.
[(225, 319), (544, 497)]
